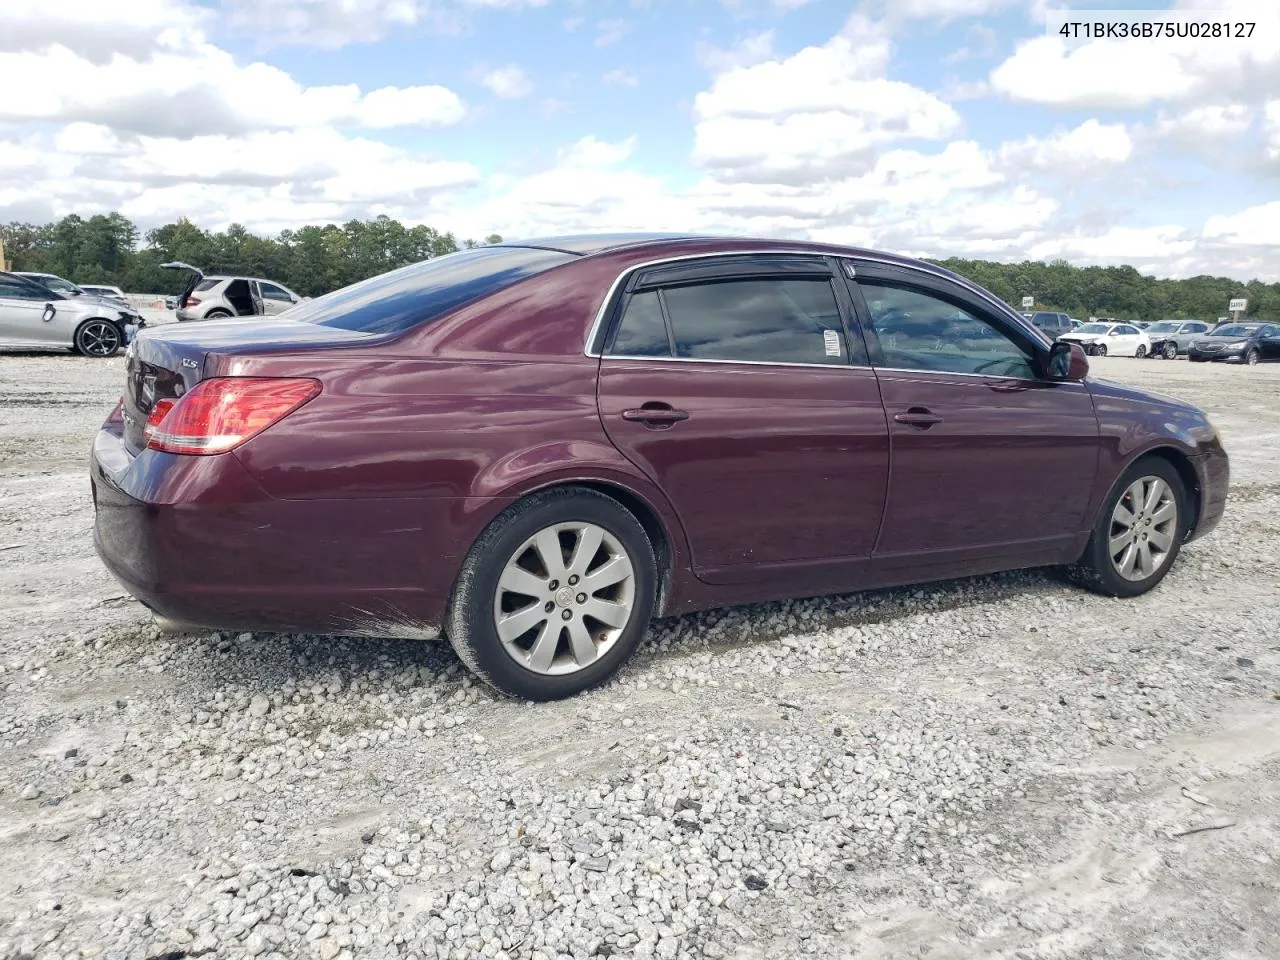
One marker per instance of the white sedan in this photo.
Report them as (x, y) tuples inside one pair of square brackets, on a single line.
[(1116, 339)]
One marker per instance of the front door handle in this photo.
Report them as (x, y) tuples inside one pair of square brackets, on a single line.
[(655, 415), (918, 417)]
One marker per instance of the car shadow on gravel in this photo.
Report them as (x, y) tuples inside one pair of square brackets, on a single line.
[(270, 663)]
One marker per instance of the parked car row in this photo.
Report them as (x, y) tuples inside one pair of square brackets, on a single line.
[(1247, 343)]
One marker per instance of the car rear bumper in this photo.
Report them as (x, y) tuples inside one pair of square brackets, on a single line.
[(198, 542)]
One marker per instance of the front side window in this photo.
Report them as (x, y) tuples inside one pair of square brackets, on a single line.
[(918, 331), (271, 292), (764, 320)]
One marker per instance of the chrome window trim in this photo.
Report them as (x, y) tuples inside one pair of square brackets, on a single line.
[(844, 365), (847, 260)]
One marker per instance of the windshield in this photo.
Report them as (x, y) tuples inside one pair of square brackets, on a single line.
[(1163, 327), (1232, 330), (56, 284), (1092, 328), (420, 292)]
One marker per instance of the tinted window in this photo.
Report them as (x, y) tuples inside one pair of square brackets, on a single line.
[(1195, 328), (1162, 328), (642, 332), (918, 331), (1233, 331), (775, 321), (271, 292), (12, 288), (206, 285), (420, 292), (1126, 330)]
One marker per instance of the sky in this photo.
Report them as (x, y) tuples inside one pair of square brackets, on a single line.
[(927, 127)]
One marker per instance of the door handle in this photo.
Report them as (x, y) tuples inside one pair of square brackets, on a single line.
[(918, 417), (655, 415)]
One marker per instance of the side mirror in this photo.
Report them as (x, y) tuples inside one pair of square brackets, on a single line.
[(50, 311), (1066, 361)]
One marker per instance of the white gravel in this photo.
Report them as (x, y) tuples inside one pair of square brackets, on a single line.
[(1003, 767)]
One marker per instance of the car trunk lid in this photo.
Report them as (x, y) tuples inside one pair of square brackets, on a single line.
[(196, 275), (165, 362)]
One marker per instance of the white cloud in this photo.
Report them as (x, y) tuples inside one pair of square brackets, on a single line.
[(509, 82), (94, 29), (610, 31), (1253, 227), (1273, 129), (1125, 74), (818, 114), (944, 11), (184, 88), (749, 50), (620, 78), (1090, 147)]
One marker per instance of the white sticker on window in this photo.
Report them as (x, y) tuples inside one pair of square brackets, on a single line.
[(831, 340)]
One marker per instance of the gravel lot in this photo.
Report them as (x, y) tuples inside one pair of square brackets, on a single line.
[(1001, 767)]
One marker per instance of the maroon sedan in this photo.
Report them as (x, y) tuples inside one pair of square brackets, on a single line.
[(535, 447)]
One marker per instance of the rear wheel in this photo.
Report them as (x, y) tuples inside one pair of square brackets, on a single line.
[(1139, 531), (1171, 351), (98, 338), (555, 595), (216, 315)]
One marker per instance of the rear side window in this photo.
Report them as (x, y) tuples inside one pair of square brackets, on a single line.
[(412, 295), (642, 332), (767, 321), (205, 285)]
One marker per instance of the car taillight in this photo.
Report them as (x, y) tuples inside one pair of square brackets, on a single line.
[(221, 413), (191, 302)]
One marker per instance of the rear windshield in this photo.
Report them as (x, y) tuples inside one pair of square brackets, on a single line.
[(420, 292), (205, 285)]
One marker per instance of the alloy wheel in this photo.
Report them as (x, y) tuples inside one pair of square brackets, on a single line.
[(1101, 350), (1171, 351), (99, 339), (1251, 358), (564, 598), (1140, 352), (1143, 526)]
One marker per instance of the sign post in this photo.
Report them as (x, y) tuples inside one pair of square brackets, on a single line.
[(1236, 307)]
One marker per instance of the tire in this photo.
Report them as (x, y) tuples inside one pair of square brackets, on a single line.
[(1100, 350), (1101, 570), (1251, 356), (542, 663), (1140, 352), (98, 339), (1170, 351), (217, 315)]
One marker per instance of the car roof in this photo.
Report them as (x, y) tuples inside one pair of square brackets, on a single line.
[(664, 245)]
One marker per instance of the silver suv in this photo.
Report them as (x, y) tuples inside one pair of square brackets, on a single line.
[(218, 297)]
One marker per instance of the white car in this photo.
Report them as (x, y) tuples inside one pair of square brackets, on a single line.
[(1110, 339), (104, 290)]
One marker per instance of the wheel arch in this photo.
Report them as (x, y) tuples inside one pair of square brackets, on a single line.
[(645, 503), (1181, 461)]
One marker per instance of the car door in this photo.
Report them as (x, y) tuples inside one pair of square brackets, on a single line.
[(255, 296), (275, 299), (1269, 342), (989, 459), (1188, 332), (22, 314), (733, 383)]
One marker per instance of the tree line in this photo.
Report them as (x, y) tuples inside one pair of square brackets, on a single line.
[(315, 259)]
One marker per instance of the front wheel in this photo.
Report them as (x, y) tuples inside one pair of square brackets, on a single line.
[(1138, 533), (555, 595), (98, 338), (1251, 357), (1140, 352), (1100, 350), (1171, 351)]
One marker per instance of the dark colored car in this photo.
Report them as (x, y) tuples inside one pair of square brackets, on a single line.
[(1240, 342), (1053, 324), (537, 446)]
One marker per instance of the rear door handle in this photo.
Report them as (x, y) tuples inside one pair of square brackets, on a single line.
[(655, 415), (918, 417)]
